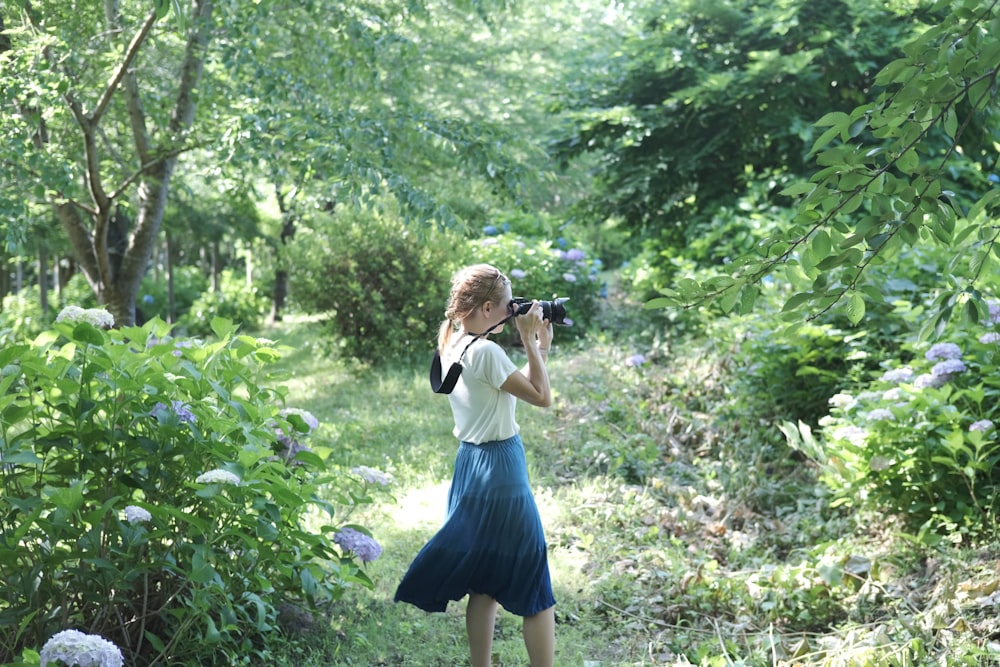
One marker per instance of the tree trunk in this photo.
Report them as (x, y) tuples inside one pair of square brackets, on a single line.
[(169, 259), (43, 278), (281, 273)]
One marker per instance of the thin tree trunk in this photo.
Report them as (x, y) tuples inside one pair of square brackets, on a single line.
[(43, 278), (169, 253)]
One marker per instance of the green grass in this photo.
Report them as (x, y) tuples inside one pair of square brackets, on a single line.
[(674, 539)]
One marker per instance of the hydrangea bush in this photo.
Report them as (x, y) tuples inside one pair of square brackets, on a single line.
[(155, 493), (540, 269), (920, 438)]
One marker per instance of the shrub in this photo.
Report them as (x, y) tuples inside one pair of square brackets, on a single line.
[(919, 439), (234, 301), (21, 316), (154, 494), (381, 284)]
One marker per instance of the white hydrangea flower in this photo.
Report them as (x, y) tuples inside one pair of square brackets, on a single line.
[(136, 514), (98, 317), (218, 476), (73, 647), (843, 401)]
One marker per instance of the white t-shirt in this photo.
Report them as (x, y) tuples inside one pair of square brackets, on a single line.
[(483, 412)]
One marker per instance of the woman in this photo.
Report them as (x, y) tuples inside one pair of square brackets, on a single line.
[(491, 546)]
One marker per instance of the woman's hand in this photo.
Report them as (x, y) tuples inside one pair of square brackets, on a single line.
[(531, 323)]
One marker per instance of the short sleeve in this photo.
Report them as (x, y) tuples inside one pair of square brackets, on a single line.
[(492, 365)]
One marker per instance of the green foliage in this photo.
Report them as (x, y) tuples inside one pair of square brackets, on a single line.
[(920, 439), (154, 493), (235, 301), (908, 166), (703, 98), (21, 315), (381, 284), (189, 284)]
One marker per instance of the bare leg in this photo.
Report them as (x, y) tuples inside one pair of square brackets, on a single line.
[(480, 618), (540, 637)]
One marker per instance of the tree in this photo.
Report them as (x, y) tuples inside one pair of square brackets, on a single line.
[(92, 125), (910, 166), (705, 98)]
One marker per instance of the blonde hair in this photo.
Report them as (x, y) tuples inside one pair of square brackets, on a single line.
[(471, 287)]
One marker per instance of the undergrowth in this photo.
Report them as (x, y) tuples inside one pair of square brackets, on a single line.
[(680, 532)]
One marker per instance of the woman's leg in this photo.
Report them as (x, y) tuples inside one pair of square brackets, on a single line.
[(540, 637), (480, 618)]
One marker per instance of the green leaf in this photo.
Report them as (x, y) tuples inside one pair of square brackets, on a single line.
[(85, 332), (855, 308), (162, 8)]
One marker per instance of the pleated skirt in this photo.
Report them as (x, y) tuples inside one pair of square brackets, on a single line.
[(491, 542)]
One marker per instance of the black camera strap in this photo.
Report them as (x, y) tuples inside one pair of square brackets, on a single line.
[(445, 385)]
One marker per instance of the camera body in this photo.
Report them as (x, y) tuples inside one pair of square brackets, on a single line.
[(554, 311)]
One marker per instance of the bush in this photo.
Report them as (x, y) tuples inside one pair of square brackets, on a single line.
[(21, 316), (234, 301), (154, 494), (381, 284), (920, 438)]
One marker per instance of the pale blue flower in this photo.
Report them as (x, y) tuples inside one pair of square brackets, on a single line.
[(575, 255), (897, 375), (569, 277), (517, 274), (880, 414), (136, 514), (72, 647), (990, 337)]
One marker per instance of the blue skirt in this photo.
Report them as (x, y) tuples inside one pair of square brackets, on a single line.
[(491, 542)]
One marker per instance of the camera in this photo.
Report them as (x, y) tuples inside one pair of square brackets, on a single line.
[(554, 311)]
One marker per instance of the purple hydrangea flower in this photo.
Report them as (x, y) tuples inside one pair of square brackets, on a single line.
[(927, 380), (569, 277), (948, 368), (636, 360), (359, 544), (990, 337), (372, 476), (994, 307), (179, 408), (898, 375), (943, 351), (575, 255), (517, 274), (982, 425)]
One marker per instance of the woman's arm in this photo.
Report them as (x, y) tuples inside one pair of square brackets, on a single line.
[(531, 384)]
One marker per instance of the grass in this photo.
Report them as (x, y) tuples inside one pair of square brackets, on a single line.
[(673, 539)]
